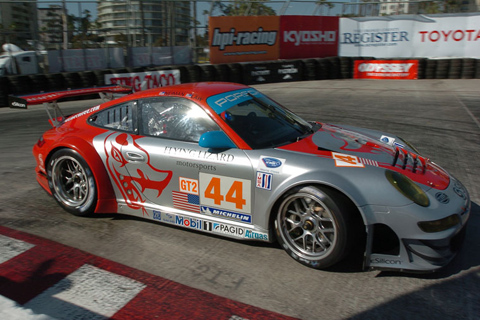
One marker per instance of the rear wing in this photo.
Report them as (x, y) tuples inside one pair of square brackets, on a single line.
[(49, 99)]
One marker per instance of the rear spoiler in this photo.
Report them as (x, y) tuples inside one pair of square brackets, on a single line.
[(49, 99)]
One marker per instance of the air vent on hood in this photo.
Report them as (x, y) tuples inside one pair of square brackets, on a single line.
[(409, 161)]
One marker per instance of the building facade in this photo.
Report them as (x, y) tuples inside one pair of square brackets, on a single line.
[(18, 23), (141, 23)]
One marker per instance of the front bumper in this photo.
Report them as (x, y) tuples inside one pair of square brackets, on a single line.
[(409, 248)]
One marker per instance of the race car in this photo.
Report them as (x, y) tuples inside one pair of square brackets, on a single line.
[(225, 159)]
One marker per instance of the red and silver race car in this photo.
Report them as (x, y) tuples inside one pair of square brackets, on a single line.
[(223, 158)]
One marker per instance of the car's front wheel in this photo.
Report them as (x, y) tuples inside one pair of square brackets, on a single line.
[(72, 183), (313, 226)]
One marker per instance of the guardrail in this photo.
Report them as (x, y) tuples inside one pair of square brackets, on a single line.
[(247, 73)]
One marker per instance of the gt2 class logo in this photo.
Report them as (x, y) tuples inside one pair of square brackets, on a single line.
[(225, 192), (346, 160), (188, 185)]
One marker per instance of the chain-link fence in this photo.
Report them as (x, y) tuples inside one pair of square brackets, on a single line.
[(67, 24)]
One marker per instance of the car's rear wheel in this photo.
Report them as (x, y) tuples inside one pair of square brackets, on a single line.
[(72, 183), (314, 227)]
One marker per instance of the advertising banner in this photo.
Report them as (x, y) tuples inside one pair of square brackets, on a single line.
[(145, 80), (432, 36), (448, 36), (376, 37), (244, 38), (268, 72), (385, 69), (308, 37)]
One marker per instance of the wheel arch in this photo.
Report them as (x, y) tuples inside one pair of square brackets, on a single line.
[(360, 219), (106, 202)]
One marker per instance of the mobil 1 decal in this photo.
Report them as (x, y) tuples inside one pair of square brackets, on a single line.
[(225, 197)]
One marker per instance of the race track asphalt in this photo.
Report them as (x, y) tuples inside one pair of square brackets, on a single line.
[(439, 117)]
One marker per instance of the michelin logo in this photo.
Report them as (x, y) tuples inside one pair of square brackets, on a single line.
[(226, 214)]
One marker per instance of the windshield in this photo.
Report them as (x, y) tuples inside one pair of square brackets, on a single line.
[(259, 121)]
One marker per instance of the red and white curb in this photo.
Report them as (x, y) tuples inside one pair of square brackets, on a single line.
[(41, 279)]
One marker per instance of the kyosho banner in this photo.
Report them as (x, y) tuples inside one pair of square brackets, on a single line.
[(385, 69), (308, 37), (411, 36)]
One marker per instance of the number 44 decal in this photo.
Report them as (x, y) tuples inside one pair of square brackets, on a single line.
[(225, 192)]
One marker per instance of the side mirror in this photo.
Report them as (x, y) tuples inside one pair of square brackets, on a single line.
[(215, 140)]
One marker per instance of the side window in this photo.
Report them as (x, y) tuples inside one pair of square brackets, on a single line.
[(120, 117), (174, 118)]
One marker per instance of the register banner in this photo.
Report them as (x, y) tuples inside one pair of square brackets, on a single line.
[(386, 69)]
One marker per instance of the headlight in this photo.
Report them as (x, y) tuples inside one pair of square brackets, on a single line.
[(439, 225), (408, 188)]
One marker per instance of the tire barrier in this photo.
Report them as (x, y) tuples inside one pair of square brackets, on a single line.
[(246, 73)]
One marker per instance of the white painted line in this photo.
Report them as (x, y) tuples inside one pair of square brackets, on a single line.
[(10, 248), (87, 293), (13, 311)]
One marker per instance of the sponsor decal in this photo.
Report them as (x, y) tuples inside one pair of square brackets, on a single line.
[(225, 192), (186, 201), (264, 180), (198, 166), (271, 165), (391, 141), (224, 101), (188, 222), (442, 197), (228, 229), (188, 185), (78, 115), (385, 261), (256, 235), (226, 214), (346, 160), (199, 154), (157, 215), (386, 69)]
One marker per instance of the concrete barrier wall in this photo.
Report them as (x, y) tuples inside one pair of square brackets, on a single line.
[(246, 73)]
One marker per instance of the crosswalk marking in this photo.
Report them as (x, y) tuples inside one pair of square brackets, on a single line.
[(10, 248), (87, 293)]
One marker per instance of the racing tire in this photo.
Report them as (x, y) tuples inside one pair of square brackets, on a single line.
[(313, 226), (72, 183)]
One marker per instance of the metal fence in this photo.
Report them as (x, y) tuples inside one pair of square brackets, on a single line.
[(68, 24)]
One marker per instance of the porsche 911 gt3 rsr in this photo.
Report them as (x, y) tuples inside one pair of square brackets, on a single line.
[(223, 158)]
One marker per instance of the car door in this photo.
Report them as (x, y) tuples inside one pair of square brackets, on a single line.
[(175, 174)]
